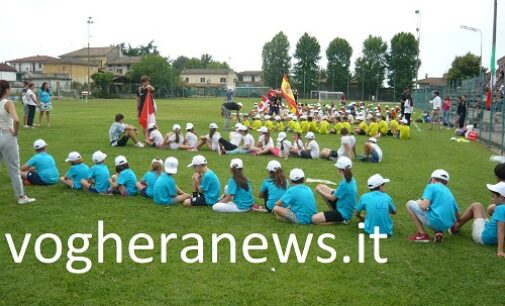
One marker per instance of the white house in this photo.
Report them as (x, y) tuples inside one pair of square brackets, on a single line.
[(7, 73), (209, 78), (30, 64), (121, 65)]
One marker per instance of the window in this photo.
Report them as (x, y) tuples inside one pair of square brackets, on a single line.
[(222, 80), (40, 66), (202, 80), (234, 81), (120, 71), (187, 80), (247, 78)]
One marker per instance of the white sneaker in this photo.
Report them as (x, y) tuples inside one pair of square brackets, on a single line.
[(25, 200), (139, 145), (497, 159)]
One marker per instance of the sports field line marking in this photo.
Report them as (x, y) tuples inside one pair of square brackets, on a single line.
[(417, 127)]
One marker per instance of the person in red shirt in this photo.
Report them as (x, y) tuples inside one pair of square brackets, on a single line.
[(446, 108)]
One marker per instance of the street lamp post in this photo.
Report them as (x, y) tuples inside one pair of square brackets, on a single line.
[(418, 31), (90, 22), (464, 27)]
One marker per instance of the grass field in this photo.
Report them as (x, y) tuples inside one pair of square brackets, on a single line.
[(457, 272)]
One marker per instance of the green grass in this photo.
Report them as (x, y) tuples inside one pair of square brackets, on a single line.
[(456, 272)]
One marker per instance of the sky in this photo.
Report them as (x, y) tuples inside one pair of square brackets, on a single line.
[(235, 31)]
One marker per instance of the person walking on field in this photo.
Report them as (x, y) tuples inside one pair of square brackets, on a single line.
[(226, 109), (45, 98), (9, 149), (435, 113)]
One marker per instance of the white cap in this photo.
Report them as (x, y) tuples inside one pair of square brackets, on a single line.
[(440, 174), (296, 174), (404, 121), (303, 117), (171, 164), (372, 139), (120, 160), (257, 116), (236, 163), (278, 118), (343, 163), (39, 144), (73, 156), (273, 165), (376, 180), (281, 136), (242, 128), (267, 117), (310, 135), (240, 104), (189, 126), (499, 188), (176, 127), (98, 157), (263, 129), (157, 160), (212, 126), (237, 125), (151, 125), (198, 160)]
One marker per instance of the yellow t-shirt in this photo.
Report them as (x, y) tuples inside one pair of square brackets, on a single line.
[(404, 131), (383, 127), (256, 124), (269, 125), (363, 126), (338, 126), (313, 127), (290, 124), (247, 123), (347, 125), (305, 126), (296, 127), (394, 126), (373, 129), (323, 127), (279, 126)]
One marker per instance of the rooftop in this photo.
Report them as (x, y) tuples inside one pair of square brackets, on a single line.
[(95, 51), (206, 71), (125, 60), (33, 59), (7, 68), (71, 61)]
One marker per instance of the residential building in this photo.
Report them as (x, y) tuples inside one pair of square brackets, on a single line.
[(250, 79), (121, 65), (202, 78), (431, 82), (76, 69), (29, 64), (98, 56), (7, 73), (56, 81)]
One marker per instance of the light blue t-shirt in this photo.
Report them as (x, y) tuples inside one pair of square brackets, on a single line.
[(77, 173), (378, 206), (150, 178), (274, 193), (45, 96), (211, 187), (164, 190), (244, 199), (302, 203), (100, 175), (347, 195), (128, 179), (45, 167), (443, 206), (490, 233)]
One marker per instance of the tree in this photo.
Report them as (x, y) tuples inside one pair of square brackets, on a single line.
[(306, 68), (141, 50), (102, 80), (276, 60), (158, 68), (401, 60), (204, 62), (370, 67), (180, 63), (463, 67), (338, 54)]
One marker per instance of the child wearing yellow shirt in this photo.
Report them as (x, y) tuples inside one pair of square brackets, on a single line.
[(362, 128), (257, 122), (404, 129), (324, 126)]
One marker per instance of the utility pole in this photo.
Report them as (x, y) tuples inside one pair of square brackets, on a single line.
[(90, 22), (418, 30)]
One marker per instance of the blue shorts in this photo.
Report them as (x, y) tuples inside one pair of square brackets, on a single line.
[(92, 189), (35, 179), (420, 213), (374, 157), (143, 192)]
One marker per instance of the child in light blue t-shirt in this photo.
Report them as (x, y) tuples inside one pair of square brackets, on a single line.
[(165, 190), (378, 206), (273, 188), (299, 199), (124, 182), (41, 168), (238, 193), (77, 172), (98, 180), (146, 184), (487, 231)]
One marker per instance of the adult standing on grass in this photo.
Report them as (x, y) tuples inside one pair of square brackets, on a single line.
[(145, 85), (32, 102), (403, 98), (229, 95), (24, 100), (226, 109), (407, 108), (9, 149), (461, 111), (446, 109), (435, 112), (45, 98)]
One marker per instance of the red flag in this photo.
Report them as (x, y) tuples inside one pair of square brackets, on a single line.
[(147, 115), (264, 105)]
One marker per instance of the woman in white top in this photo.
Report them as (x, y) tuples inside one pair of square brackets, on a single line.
[(190, 139), (9, 149), (409, 107), (283, 145), (32, 102), (212, 139), (265, 142), (297, 144), (154, 136), (311, 149), (174, 139)]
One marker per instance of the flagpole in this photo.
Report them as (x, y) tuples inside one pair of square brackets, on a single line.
[(493, 72)]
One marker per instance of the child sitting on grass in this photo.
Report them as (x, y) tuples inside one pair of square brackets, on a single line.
[(378, 206), (238, 193), (41, 168), (165, 190), (77, 172), (154, 136), (124, 182), (146, 184), (274, 187), (98, 180)]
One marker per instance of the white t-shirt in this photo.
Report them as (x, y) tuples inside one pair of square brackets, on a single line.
[(214, 141), (175, 145), (313, 147), (298, 144), (408, 107), (235, 138), (437, 102), (376, 148), (268, 145), (287, 147), (191, 139), (248, 140), (30, 97), (345, 140), (156, 137)]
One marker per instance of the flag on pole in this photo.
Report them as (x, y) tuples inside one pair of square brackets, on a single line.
[(287, 93), (264, 105), (147, 115)]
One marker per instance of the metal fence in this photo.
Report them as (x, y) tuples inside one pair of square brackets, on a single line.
[(488, 122)]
